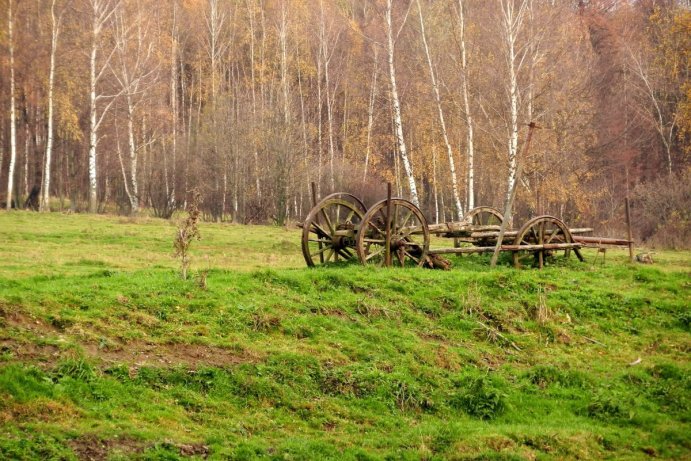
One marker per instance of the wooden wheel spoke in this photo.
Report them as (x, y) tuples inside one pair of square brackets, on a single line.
[(319, 229), (412, 257), (328, 220), (328, 242), (345, 252), (331, 253), (532, 230), (321, 251), (553, 234), (405, 221), (370, 240), (376, 253)]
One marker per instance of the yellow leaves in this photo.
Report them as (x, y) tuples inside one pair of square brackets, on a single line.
[(67, 119)]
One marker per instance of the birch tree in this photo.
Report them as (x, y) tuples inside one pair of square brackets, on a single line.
[(135, 73), (101, 12), (442, 121), (512, 17), (465, 90), (54, 35), (396, 104), (13, 109)]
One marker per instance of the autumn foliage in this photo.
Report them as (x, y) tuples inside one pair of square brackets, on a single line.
[(251, 101)]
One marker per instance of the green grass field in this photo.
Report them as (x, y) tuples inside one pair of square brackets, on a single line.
[(106, 354)]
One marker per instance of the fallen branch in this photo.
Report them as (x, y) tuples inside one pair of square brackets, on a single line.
[(594, 341), (494, 331)]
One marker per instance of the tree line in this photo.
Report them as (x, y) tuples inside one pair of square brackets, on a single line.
[(124, 105)]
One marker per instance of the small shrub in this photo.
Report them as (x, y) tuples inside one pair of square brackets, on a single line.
[(187, 232), (606, 406), (546, 375), (480, 398), (662, 211)]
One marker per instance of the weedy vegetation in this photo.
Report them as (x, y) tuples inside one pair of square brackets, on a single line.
[(107, 353)]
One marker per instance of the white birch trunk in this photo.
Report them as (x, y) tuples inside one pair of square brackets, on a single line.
[(55, 31), (93, 135), (470, 136), (13, 110), (132, 147), (512, 21), (398, 122), (442, 122), (174, 103), (101, 11)]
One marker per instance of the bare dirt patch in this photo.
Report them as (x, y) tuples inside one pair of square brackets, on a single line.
[(136, 353), (92, 448), (189, 355)]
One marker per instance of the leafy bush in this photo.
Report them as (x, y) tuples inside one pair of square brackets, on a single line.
[(662, 211), (546, 375), (606, 406), (479, 397)]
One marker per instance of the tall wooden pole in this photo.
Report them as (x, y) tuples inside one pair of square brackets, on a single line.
[(508, 208), (388, 225), (628, 228)]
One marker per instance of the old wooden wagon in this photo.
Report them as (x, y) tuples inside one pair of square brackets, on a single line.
[(395, 232)]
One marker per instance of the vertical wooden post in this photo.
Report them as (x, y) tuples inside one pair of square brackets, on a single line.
[(314, 194), (628, 228), (508, 206), (314, 204), (388, 225)]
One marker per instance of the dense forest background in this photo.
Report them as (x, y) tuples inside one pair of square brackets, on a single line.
[(127, 105)]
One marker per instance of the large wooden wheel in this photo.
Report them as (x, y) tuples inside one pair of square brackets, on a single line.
[(539, 232), (328, 233), (409, 235), (484, 216)]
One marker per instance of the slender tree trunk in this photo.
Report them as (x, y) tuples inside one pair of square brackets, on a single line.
[(470, 137), (253, 85), (320, 131), (329, 97), (370, 112), (398, 122), (283, 39), (132, 147), (93, 127), (13, 109), (512, 20), (55, 31), (434, 184), (442, 122), (174, 104)]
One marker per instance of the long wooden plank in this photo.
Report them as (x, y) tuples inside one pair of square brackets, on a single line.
[(550, 246), (601, 240)]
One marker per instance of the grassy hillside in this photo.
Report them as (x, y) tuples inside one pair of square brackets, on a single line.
[(106, 353)]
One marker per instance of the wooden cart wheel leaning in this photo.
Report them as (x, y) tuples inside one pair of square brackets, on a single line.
[(541, 230), (484, 216), (409, 235), (328, 233)]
